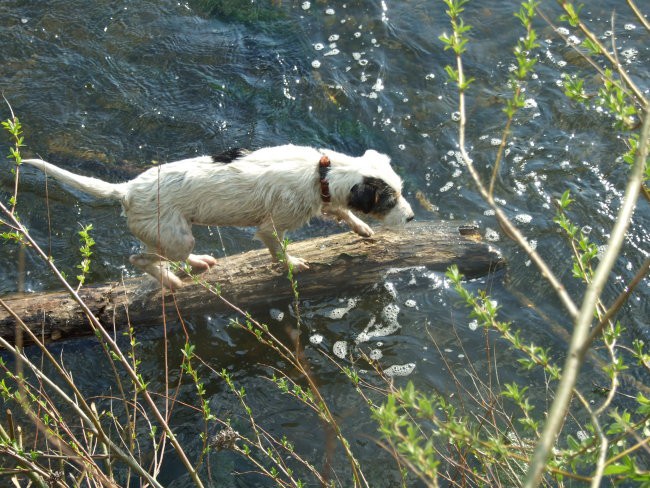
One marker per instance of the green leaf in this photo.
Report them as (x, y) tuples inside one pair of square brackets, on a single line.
[(613, 469)]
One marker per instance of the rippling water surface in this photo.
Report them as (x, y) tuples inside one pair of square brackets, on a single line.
[(107, 88)]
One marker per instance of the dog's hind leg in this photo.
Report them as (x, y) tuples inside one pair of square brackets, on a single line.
[(273, 241), (171, 240)]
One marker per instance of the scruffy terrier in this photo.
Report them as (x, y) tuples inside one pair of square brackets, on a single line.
[(275, 189)]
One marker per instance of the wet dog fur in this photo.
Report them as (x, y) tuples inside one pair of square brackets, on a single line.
[(275, 189)]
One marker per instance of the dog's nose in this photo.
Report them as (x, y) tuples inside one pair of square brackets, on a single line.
[(411, 217)]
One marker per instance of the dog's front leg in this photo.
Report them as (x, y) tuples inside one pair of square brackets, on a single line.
[(272, 239), (200, 262), (355, 223)]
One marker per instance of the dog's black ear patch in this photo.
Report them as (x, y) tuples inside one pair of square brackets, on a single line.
[(362, 197), (373, 196), (230, 155)]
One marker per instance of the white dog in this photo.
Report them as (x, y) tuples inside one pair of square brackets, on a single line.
[(275, 189)]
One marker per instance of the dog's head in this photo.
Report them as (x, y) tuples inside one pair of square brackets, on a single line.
[(379, 193)]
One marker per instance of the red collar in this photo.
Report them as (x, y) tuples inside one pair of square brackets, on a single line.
[(323, 168)]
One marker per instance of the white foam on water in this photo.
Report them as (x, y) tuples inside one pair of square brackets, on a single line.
[(373, 330), (389, 314), (573, 40), (339, 312), (491, 235), (630, 54), (390, 288), (316, 339), (399, 369), (436, 280), (340, 349), (446, 187), (523, 218), (530, 103), (276, 314), (397, 270), (376, 354)]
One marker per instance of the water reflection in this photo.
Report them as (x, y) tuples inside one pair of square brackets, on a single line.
[(113, 86)]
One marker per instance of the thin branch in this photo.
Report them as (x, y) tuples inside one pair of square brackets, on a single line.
[(99, 328), (510, 229), (638, 93), (639, 15), (604, 442), (497, 162), (620, 301), (88, 418), (17, 161), (588, 59), (641, 443), (580, 338)]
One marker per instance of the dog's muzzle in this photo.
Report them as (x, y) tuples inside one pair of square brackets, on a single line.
[(400, 214)]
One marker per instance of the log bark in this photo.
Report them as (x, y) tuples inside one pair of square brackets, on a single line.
[(338, 263)]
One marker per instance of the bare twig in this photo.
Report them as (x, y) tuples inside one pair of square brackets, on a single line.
[(509, 228), (639, 15), (620, 301), (638, 93), (89, 420), (99, 329), (580, 338)]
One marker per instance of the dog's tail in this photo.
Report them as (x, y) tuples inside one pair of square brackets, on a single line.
[(92, 186)]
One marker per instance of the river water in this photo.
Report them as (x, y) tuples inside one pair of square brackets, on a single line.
[(108, 87)]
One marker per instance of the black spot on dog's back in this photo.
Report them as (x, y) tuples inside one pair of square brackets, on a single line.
[(372, 196), (230, 155)]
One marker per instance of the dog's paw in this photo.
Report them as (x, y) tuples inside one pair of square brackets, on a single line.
[(363, 229), (200, 263), (170, 280), (298, 264)]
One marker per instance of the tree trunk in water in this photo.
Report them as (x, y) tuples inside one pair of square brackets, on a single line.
[(337, 263)]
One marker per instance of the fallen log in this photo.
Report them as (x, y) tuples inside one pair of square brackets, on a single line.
[(338, 262)]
